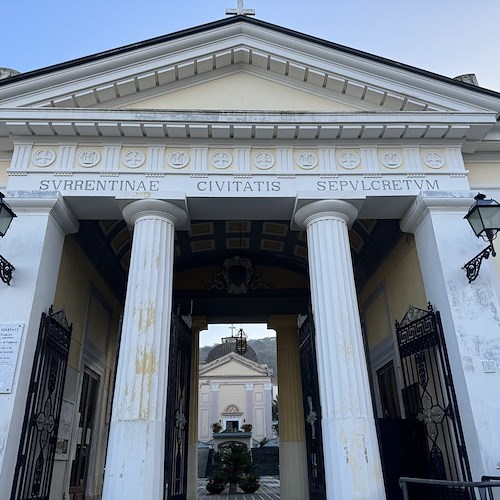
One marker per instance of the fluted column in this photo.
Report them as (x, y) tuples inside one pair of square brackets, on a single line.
[(352, 460), (192, 483), (293, 465), (136, 448)]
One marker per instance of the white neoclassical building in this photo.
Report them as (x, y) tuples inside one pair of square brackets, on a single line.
[(234, 390), (240, 171)]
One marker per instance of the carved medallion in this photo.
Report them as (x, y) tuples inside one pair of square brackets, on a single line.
[(222, 159), (43, 157), (264, 160), (178, 159), (89, 158), (237, 277), (307, 160), (391, 159), (433, 159), (349, 160), (134, 158)]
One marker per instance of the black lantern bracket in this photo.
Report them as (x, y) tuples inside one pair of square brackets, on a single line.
[(472, 267), (484, 218), (6, 216)]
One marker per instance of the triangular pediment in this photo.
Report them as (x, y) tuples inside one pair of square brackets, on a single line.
[(299, 68), (232, 365), (242, 90)]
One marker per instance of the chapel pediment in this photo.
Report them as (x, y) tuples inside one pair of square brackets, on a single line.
[(214, 56), (233, 364)]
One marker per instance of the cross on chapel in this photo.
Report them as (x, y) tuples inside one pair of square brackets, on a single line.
[(240, 10)]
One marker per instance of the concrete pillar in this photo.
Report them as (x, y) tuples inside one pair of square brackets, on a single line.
[(33, 244), (469, 314), (136, 447), (294, 483), (198, 325), (351, 453)]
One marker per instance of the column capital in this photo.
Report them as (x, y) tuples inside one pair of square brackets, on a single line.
[(51, 203), (334, 209), (430, 201), (156, 208)]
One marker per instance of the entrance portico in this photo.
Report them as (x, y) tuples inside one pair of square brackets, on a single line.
[(238, 140)]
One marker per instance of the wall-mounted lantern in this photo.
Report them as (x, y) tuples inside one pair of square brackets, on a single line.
[(484, 218), (6, 216)]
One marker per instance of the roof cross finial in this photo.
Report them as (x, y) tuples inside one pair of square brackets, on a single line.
[(240, 10)]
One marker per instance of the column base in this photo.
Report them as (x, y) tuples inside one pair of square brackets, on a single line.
[(135, 467), (352, 450), (294, 483)]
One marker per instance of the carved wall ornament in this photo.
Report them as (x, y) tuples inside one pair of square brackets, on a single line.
[(43, 157), (349, 160), (249, 387), (264, 160), (7, 73), (214, 387), (178, 159), (134, 158), (434, 159), (307, 160), (268, 387), (237, 277), (222, 159), (89, 158), (391, 159)]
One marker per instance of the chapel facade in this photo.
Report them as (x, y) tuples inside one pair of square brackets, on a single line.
[(241, 171)]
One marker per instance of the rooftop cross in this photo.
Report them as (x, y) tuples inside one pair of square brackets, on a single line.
[(240, 10)]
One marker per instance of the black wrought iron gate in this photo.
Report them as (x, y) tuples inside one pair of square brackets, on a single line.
[(429, 394), (35, 459), (312, 410), (176, 446)]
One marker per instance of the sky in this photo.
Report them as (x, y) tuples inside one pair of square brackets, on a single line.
[(449, 37), (215, 332)]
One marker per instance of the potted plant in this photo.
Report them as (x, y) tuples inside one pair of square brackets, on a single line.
[(249, 483), (247, 427), (217, 483), (216, 427), (235, 460)]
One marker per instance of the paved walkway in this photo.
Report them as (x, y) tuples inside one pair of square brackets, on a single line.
[(269, 490)]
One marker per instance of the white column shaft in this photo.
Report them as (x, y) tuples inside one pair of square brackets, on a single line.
[(135, 462), (352, 460)]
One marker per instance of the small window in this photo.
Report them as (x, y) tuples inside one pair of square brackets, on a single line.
[(388, 388)]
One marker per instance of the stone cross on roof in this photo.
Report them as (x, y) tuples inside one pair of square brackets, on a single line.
[(240, 10)]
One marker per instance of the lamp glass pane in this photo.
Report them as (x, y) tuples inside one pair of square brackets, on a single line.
[(490, 216), (475, 221), (5, 220)]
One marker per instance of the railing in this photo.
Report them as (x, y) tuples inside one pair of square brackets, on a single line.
[(440, 489)]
